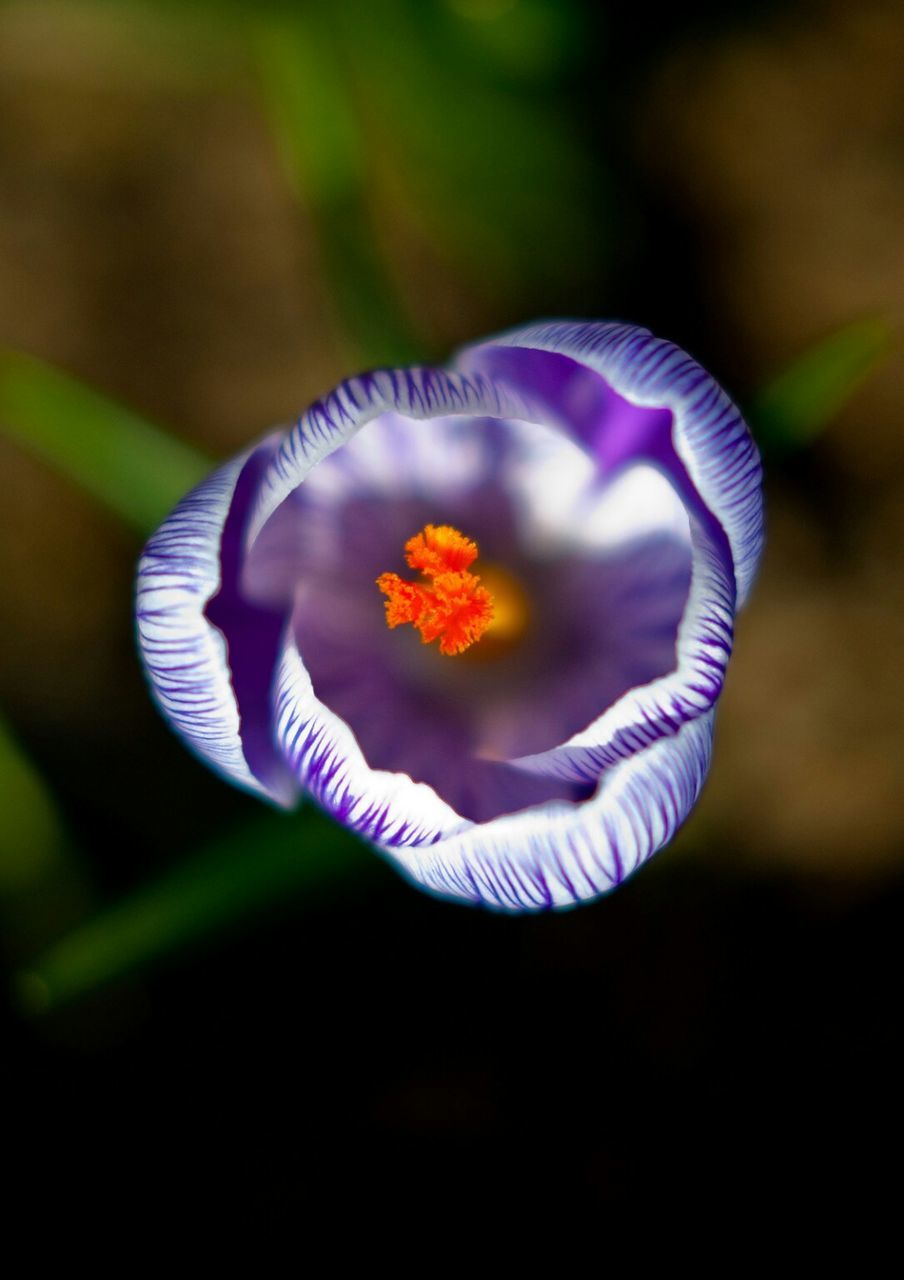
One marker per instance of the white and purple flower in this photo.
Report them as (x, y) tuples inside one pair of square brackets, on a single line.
[(562, 730)]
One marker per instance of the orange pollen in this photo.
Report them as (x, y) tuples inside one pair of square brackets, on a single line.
[(453, 608)]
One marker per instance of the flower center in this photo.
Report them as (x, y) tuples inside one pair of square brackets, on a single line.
[(451, 606), (511, 614)]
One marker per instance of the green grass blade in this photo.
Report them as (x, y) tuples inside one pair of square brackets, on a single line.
[(30, 828), (227, 881), (307, 100), (791, 410), (135, 469), (43, 884)]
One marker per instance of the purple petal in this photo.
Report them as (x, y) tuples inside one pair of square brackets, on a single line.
[(325, 758), (709, 435), (630, 397), (561, 854), (418, 393), (189, 564), (661, 707)]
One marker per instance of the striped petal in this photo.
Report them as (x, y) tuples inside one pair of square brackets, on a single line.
[(323, 754), (708, 434), (413, 393), (702, 444), (560, 855), (187, 657)]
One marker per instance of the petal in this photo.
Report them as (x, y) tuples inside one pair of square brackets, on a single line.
[(709, 434), (350, 518), (610, 384), (186, 657), (561, 854), (661, 707), (324, 756), (415, 393)]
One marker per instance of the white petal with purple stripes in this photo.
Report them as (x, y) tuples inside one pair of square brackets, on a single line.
[(560, 855), (184, 655), (709, 433), (388, 808)]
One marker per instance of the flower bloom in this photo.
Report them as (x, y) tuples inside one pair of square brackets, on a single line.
[(557, 529)]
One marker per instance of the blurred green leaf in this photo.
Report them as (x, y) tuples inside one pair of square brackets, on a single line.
[(529, 40), (234, 876), (491, 172), (43, 888), (30, 829), (792, 409), (135, 469), (313, 118), (306, 92)]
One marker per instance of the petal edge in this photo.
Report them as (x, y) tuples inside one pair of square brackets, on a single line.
[(184, 655)]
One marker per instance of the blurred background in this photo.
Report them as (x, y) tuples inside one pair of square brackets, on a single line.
[(209, 214)]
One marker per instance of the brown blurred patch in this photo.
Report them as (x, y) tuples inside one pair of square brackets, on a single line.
[(783, 147), (809, 761), (147, 238)]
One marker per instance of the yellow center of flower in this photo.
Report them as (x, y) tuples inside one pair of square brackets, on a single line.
[(451, 606), (511, 613)]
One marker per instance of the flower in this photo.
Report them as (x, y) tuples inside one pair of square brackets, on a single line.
[(583, 505)]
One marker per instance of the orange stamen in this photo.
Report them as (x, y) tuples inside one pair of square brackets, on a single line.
[(454, 609)]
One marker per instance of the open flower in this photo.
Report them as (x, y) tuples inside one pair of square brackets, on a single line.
[(557, 530)]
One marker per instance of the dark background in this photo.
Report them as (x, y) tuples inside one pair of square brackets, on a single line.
[(213, 216)]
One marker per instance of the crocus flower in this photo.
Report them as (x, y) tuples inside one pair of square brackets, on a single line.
[(557, 529)]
